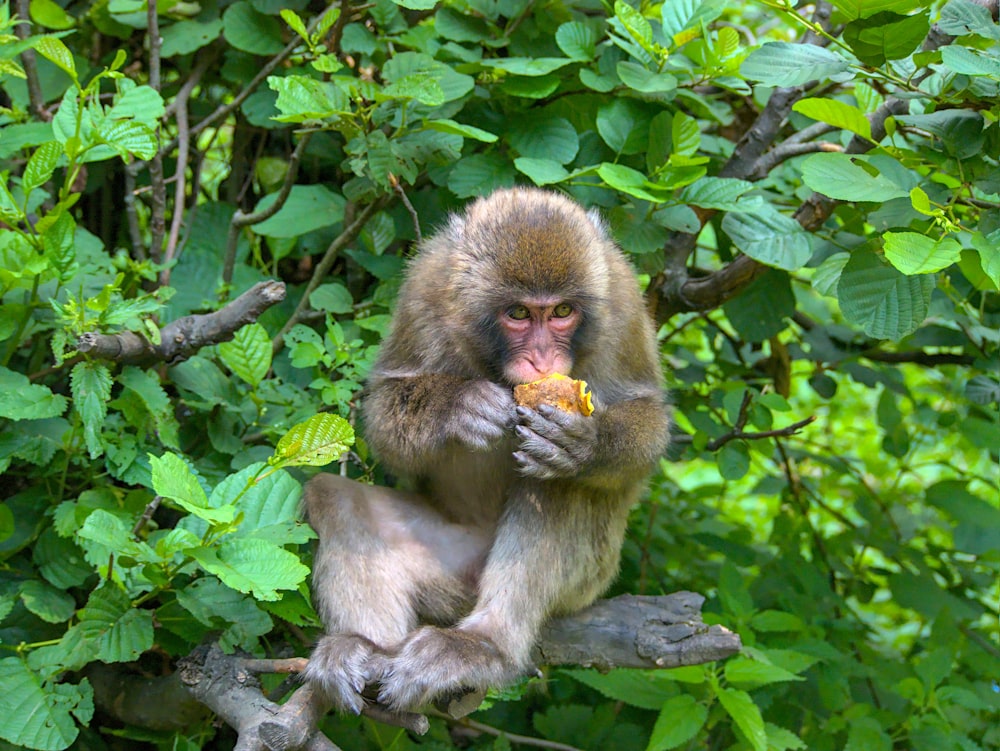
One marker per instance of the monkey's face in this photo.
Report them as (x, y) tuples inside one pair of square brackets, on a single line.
[(538, 334)]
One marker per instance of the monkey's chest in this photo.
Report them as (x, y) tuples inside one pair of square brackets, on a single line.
[(470, 487)]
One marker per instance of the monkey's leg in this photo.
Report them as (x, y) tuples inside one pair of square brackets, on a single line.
[(555, 551), (384, 559)]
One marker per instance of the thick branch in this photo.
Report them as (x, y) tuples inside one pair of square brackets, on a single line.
[(182, 338)]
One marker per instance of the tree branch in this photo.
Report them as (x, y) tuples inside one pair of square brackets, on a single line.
[(182, 338), (30, 63)]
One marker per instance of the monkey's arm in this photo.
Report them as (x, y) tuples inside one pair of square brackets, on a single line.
[(411, 419), (618, 444)]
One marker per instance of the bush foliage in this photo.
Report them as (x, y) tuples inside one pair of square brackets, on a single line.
[(812, 194)]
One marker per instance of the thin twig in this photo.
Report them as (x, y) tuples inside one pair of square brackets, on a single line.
[(147, 514), (132, 215), (522, 740), (23, 30), (398, 188), (241, 220), (324, 266), (183, 151), (157, 221)]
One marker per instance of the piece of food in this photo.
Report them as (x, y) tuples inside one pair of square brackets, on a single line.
[(559, 391)]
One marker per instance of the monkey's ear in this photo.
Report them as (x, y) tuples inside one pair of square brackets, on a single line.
[(599, 224)]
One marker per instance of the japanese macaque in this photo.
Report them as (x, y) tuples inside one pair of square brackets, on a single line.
[(512, 514)]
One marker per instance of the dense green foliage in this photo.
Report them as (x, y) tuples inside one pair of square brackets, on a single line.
[(840, 259)]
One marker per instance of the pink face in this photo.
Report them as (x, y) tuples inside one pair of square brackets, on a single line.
[(538, 335)]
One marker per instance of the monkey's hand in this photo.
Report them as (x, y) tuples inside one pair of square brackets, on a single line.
[(484, 413), (553, 443), (339, 666), (439, 663)]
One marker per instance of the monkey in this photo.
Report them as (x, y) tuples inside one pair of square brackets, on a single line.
[(509, 515)]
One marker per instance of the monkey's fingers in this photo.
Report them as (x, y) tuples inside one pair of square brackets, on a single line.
[(541, 458)]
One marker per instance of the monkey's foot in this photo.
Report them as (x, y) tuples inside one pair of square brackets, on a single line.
[(341, 667), (438, 662)]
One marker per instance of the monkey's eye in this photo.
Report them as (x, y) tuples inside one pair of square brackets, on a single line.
[(562, 310), (519, 313)]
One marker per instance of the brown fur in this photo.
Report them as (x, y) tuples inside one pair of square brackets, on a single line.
[(518, 515)]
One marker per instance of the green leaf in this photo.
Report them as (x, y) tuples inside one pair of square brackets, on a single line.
[(681, 15), (886, 36), (629, 181), (685, 135), (333, 298), (48, 603), (763, 310), (779, 739), (479, 174), (578, 40), (835, 113), (445, 125), (308, 208), (59, 241), (173, 479), (41, 165), (620, 123), (721, 193), (961, 17), (318, 441), (250, 31), (913, 253), (252, 566), (847, 177), (977, 523), (741, 670), (422, 86), (638, 688), (530, 87), (301, 98), (544, 137), (295, 23), (141, 103), (122, 632), (769, 237), (34, 715), (248, 355), (128, 137), (50, 14), (865, 734), (146, 385), (22, 400), (733, 461), (788, 64), (115, 537), (56, 52), (639, 78), (526, 66), (541, 171), (746, 715), (270, 506), (90, 386), (961, 131), (679, 721), (185, 37), (884, 302), (971, 62), (776, 620)]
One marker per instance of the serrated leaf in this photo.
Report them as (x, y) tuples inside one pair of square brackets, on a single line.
[(41, 165), (913, 253), (445, 125), (141, 103), (90, 385), (422, 86), (58, 239), (173, 479), (22, 400), (121, 631), (746, 715), (970, 62), (321, 439), (248, 355), (146, 385), (755, 673), (544, 137), (788, 64), (112, 533), (680, 719), (479, 174), (128, 137), (252, 566), (836, 113), (877, 297), (983, 390), (638, 688), (308, 208), (270, 506), (681, 15), (769, 237), (333, 298), (56, 52), (34, 716)]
